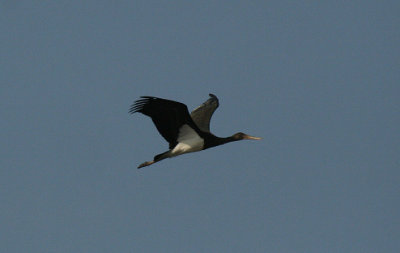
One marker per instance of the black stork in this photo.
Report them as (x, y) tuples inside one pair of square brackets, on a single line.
[(184, 132)]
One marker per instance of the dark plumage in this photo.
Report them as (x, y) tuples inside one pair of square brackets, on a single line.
[(184, 132)]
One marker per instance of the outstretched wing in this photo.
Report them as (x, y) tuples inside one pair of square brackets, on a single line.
[(168, 116), (202, 114)]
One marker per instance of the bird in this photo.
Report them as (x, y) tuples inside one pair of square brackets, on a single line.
[(184, 132)]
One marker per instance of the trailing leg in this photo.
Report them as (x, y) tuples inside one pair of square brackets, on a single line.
[(157, 158)]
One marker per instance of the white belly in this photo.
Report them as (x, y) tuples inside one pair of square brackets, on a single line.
[(188, 141)]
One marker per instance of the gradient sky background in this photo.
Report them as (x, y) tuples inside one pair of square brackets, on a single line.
[(318, 80)]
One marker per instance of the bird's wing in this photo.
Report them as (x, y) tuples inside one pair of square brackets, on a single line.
[(168, 116), (202, 114)]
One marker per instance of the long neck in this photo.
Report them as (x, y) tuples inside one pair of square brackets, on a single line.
[(213, 141)]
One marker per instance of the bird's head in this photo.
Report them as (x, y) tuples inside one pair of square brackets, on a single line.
[(242, 136)]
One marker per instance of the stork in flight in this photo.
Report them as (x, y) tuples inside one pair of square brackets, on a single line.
[(184, 132)]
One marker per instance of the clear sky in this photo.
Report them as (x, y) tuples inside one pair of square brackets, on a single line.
[(318, 80)]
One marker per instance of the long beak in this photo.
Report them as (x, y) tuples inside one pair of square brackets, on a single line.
[(249, 137)]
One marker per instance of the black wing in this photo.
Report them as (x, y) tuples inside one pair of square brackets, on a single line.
[(202, 114), (167, 115)]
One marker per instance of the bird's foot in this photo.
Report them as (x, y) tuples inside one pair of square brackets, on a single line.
[(145, 164)]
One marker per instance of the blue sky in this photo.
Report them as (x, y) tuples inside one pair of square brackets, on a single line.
[(319, 81)]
